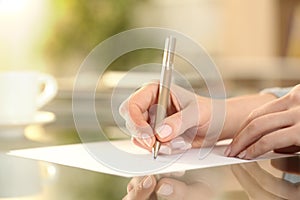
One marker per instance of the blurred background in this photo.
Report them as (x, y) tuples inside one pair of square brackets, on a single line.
[(56, 36), (254, 43)]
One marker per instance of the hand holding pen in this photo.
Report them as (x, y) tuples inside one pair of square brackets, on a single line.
[(177, 118), (164, 88)]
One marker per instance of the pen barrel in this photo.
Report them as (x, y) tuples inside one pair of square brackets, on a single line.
[(164, 94), (164, 87)]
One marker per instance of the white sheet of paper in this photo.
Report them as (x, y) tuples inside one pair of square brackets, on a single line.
[(77, 155)]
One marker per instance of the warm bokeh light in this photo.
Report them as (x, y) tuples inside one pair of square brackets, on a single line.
[(55, 36), (13, 7), (21, 23)]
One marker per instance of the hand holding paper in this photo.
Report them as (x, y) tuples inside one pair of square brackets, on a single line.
[(273, 126)]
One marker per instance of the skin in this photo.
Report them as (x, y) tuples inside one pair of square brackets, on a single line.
[(272, 126), (260, 184), (198, 186), (139, 109), (257, 124), (136, 110), (257, 182)]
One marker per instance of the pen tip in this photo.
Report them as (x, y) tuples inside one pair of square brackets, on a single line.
[(155, 155), (156, 149)]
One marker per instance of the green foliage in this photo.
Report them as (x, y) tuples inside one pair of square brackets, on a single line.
[(135, 58), (77, 26)]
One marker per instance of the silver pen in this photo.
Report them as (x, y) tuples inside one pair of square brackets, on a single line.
[(164, 87)]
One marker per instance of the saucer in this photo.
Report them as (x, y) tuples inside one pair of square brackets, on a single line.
[(40, 117)]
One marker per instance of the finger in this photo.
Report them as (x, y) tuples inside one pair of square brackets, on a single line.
[(178, 123), (274, 106), (257, 128), (176, 146), (183, 143), (141, 188), (178, 173), (144, 140), (277, 139), (135, 109), (169, 188), (143, 98), (141, 144), (133, 182), (137, 123), (143, 136), (269, 182), (254, 189), (123, 110)]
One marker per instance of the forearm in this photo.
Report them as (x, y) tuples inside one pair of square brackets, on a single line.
[(239, 108)]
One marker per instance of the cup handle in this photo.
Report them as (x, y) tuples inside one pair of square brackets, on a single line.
[(50, 89)]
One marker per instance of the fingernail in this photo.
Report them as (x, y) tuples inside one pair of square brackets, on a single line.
[(178, 143), (164, 131), (165, 189), (242, 154), (147, 182), (227, 151), (164, 149), (178, 173), (147, 139)]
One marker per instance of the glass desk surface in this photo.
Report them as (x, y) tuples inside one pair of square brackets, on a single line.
[(28, 179)]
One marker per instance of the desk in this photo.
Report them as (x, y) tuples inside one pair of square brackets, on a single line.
[(27, 179)]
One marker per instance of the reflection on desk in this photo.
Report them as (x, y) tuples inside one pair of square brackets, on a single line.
[(255, 180), (48, 181), (27, 179)]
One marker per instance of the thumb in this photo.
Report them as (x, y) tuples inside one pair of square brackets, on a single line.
[(176, 124)]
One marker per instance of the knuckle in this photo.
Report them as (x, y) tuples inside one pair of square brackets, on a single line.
[(254, 126), (256, 150), (253, 114), (294, 96), (263, 144), (252, 150)]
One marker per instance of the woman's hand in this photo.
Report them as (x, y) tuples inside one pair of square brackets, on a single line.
[(141, 188), (259, 184), (184, 127), (167, 187), (273, 126)]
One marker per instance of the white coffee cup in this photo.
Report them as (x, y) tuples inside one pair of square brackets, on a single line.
[(22, 93)]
